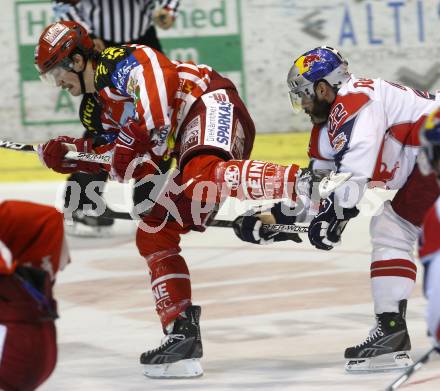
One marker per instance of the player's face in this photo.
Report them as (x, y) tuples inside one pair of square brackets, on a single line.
[(321, 109), (69, 81), (317, 110)]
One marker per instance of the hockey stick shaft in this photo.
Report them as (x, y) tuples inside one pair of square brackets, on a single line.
[(17, 146), (411, 370), (105, 158), (286, 228)]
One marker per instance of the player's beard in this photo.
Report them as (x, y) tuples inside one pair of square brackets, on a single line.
[(320, 111)]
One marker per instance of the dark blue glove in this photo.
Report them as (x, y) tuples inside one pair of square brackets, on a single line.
[(326, 228), (249, 228)]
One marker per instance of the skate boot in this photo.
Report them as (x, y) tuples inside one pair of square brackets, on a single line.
[(179, 354), (387, 346), (88, 225)]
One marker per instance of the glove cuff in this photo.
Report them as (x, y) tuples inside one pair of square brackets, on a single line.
[(134, 136), (283, 213), (290, 178)]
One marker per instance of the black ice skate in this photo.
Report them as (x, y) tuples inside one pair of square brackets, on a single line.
[(386, 347), (180, 352), (82, 224)]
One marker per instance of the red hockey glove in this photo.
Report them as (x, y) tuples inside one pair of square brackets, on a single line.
[(133, 141), (52, 155)]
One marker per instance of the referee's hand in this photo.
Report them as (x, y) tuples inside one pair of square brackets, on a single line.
[(163, 18)]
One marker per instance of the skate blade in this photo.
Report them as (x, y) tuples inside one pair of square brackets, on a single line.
[(83, 231), (382, 363), (177, 370)]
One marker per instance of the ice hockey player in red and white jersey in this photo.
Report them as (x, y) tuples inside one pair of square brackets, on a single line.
[(369, 127), (32, 250), (429, 245), (166, 108)]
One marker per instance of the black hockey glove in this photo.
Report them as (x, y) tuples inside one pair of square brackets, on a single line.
[(249, 228), (326, 228)]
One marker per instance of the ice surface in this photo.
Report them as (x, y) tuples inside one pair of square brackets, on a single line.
[(273, 317)]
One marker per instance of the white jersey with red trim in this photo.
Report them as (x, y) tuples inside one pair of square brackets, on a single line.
[(373, 130), (429, 252), (320, 150)]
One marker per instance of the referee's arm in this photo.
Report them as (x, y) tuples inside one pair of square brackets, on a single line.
[(170, 5), (68, 10)]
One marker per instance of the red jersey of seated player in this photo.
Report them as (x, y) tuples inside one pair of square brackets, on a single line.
[(31, 240)]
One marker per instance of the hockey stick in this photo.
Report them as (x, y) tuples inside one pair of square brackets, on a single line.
[(105, 158), (327, 185), (411, 370), (17, 146), (286, 228)]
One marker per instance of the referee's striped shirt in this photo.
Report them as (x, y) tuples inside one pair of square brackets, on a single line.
[(118, 21)]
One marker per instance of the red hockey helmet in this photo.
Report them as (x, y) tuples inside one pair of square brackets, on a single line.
[(58, 42)]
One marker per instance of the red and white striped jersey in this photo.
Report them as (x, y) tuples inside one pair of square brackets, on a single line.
[(372, 130), (135, 81)]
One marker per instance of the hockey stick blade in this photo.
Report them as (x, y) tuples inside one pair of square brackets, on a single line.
[(410, 371)]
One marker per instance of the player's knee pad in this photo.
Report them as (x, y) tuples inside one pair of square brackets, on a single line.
[(155, 234)]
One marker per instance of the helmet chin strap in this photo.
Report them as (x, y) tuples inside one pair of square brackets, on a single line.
[(82, 82), (81, 79)]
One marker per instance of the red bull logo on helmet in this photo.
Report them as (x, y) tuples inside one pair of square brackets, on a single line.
[(304, 63)]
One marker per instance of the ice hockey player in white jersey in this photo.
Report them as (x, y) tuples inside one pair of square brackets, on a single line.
[(369, 127), (429, 246)]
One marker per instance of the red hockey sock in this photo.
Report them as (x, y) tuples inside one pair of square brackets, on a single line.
[(170, 284)]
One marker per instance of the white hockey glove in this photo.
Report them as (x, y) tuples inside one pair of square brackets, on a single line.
[(326, 228)]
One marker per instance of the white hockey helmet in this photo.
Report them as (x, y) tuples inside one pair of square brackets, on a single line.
[(321, 63)]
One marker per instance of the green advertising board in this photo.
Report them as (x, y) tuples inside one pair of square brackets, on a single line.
[(206, 32)]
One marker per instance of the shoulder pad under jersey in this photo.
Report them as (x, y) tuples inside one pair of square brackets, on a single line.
[(350, 99), (110, 61), (90, 113)]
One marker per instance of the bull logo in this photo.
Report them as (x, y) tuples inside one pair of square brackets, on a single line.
[(304, 63), (386, 175)]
